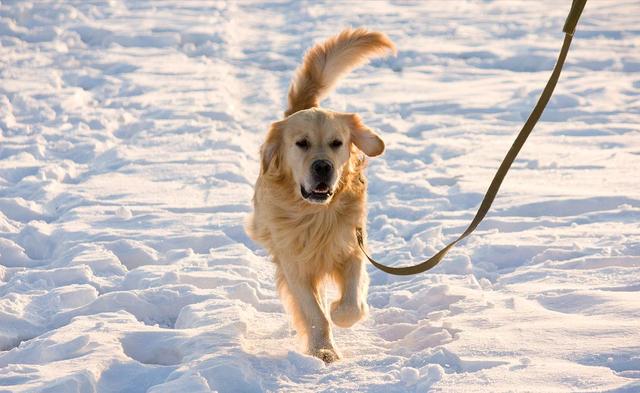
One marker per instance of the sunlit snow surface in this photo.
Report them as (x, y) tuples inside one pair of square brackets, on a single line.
[(130, 134)]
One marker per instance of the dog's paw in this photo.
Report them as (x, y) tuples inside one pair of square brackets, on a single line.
[(327, 355), (346, 314)]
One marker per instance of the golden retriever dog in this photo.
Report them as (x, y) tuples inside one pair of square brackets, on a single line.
[(310, 195)]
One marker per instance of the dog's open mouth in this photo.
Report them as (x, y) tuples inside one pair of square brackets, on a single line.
[(320, 193)]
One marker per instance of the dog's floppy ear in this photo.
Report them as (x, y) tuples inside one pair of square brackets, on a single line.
[(269, 151), (363, 137)]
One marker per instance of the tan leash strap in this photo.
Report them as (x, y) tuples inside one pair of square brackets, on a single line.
[(569, 28)]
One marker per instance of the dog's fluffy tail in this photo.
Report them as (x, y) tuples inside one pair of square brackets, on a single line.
[(325, 63)]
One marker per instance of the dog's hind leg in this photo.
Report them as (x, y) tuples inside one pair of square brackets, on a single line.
[(353, 282), (305, 302)]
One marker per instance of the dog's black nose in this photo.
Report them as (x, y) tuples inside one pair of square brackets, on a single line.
[(322, 169)]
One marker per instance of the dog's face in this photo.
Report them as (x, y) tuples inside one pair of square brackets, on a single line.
[(313, 147)]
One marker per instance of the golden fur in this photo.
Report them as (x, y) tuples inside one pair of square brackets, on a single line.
[(311, 241), (325, 63)]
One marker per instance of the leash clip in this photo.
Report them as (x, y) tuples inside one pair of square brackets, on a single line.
[(359, 236)]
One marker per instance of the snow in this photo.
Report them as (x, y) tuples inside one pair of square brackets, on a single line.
[(128, 151)]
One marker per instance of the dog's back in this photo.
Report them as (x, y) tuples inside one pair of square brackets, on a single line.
[(326, 62)]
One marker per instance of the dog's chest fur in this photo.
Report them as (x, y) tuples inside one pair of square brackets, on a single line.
[(312, 237)]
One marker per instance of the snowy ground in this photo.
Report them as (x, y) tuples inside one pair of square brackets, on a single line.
[(128, 152)]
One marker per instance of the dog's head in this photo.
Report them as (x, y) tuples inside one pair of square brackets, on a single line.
[(313, 146)]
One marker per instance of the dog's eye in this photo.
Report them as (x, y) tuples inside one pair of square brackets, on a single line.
[(336, 143), (303, 144)]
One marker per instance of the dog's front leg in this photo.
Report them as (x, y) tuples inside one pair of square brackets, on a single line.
[(306, 303), (353, 282)]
